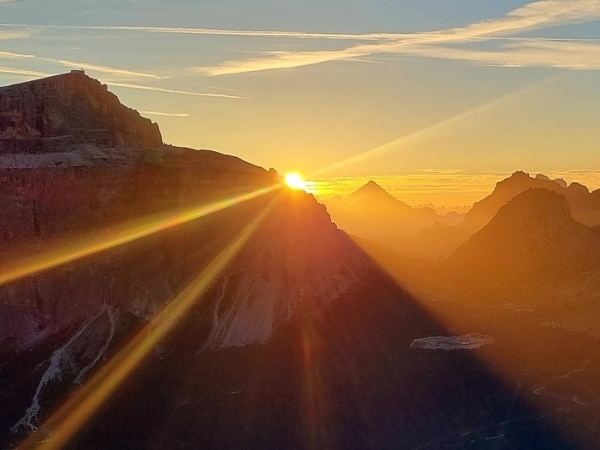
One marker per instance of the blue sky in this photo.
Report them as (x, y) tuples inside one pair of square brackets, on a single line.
[(338, 88)]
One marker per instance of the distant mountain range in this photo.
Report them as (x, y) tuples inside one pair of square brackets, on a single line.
[(373, 214), (585, 205), (532, 250)]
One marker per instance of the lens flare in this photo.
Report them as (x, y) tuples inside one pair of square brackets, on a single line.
[(294, 180), (81, 406), (107, 239)]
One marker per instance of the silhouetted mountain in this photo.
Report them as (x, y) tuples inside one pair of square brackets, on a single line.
[(371, 212), (534, 246), (371, 191), (441, 241), (584, 206)]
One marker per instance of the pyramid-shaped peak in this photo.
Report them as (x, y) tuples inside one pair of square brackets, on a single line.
[(370, 189), (373, 186)]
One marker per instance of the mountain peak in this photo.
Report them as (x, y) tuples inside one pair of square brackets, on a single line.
[(532, 232), (370, 189), (537, 205), (71, 107)]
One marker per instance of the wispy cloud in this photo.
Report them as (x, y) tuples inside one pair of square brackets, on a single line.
[(165, 114), (14, 34), (563, 53), (523, 53), (101, 69), (81, 65), (286, 60), (535, 15), (11, 55), (225, 32), (16, 71), (539, 14), (171, 91)]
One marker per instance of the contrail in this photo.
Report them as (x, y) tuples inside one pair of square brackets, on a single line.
[(226, 32), (171, 91)]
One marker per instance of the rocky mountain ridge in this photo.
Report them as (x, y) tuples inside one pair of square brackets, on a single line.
[(585, 205), (533, 245), (44, 115), (441, 239), (100, 184)]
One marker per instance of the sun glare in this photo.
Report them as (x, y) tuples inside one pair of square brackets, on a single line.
[(294, 180)]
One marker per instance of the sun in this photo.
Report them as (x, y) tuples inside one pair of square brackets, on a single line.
[(294, 180)]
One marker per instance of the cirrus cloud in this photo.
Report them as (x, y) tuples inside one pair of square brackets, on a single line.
[(536, 15)]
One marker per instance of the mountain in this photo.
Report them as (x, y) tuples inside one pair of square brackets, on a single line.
[(533, 249), (372, 192), (69, 108), (371, 212), (442, 239), (584, 205), (259, 325)]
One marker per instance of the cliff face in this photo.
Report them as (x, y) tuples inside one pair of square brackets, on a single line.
[(45, 114), (63, 185)]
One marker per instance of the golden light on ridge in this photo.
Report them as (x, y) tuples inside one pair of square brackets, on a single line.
[(294, 180)]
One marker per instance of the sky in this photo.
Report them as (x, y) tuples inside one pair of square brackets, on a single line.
[(437, 99)]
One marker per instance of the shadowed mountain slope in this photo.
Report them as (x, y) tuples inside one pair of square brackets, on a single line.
[(532, 244)]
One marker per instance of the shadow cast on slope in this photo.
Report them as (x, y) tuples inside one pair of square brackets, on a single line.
[(343, 376)]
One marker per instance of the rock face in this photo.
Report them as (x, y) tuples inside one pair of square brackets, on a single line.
[(298, 259), (62, 182), (42, 115), (72, 182)]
